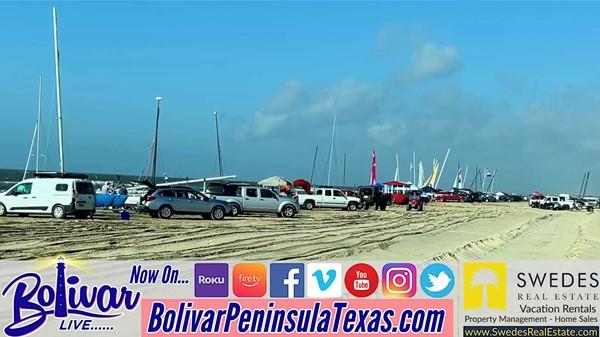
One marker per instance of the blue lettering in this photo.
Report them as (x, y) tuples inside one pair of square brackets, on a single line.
[(155, 320)]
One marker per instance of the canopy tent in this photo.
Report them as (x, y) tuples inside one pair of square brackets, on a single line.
[(281, 183), (536, 195), (396, 183), (275, 181), (395, 187), (304, 184), (378, 186)]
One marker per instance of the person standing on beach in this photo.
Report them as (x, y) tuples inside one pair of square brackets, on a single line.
[(107, 188)]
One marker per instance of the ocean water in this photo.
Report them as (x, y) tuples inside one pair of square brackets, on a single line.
[(9, 177)]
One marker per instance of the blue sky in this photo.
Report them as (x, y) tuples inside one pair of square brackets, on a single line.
[(510, 86)]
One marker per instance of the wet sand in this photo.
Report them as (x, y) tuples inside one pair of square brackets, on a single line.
[(499, 231)]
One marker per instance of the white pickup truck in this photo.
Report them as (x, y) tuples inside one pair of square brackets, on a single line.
[(328, 198), (560, 202)]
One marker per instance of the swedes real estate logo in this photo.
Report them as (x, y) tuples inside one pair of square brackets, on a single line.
[(531, 293), (484, 285), (75, 304)]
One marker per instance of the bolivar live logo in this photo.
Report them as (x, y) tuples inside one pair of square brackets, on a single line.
[(34, 302)]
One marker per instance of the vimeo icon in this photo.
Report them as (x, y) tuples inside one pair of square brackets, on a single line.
[(323, 280)]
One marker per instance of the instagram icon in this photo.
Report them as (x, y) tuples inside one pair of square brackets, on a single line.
[(399, 280)]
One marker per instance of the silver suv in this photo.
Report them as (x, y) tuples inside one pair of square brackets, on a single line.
[(166, 201)]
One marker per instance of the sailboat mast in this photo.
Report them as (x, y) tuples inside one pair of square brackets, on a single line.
[(331, 152), (587, 179), (219, 158), (155, 147), (581, 186), (344, 175), (38, 127), (35, 129), (442, 170), (59, 116), (312, 173)]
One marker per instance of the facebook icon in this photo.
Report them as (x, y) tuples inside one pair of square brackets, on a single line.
[(287, 280)]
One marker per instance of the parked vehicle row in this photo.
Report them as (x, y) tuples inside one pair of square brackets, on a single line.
[(562, 202), (62, 195)]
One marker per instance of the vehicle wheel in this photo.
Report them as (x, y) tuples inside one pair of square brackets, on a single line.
[(165, 212), (235, 210), (408, 207), (217, 213), (566, 207), (366, 207), (58, 212), (2, 209), (383, 207), (352, 206), (420, 208), (288, 212), (309, 205)]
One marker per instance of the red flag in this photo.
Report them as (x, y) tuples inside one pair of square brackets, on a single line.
[(374, 169)]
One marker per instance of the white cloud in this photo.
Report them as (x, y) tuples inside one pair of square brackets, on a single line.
[(386, 134), (296, 108), (431, 60)]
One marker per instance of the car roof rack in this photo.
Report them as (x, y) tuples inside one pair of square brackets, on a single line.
[(60, 175)]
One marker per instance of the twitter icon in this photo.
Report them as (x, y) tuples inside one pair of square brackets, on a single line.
[(437, 280)]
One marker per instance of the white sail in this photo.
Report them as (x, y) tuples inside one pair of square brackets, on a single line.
[(421, 175), (442, 170), (455, 185), (397, 173), (464, 178)]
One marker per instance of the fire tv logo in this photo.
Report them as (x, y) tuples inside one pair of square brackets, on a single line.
[(249, 280)]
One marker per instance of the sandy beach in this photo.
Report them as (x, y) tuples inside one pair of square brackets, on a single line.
[(503, 231)]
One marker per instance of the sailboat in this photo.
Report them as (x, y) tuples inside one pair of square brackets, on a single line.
[(442, 169), (219, 157), (59, 117), (331, 145), (373, 179), (36, 135)]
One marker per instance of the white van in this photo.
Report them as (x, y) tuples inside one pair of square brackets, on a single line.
[(51, 193)]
